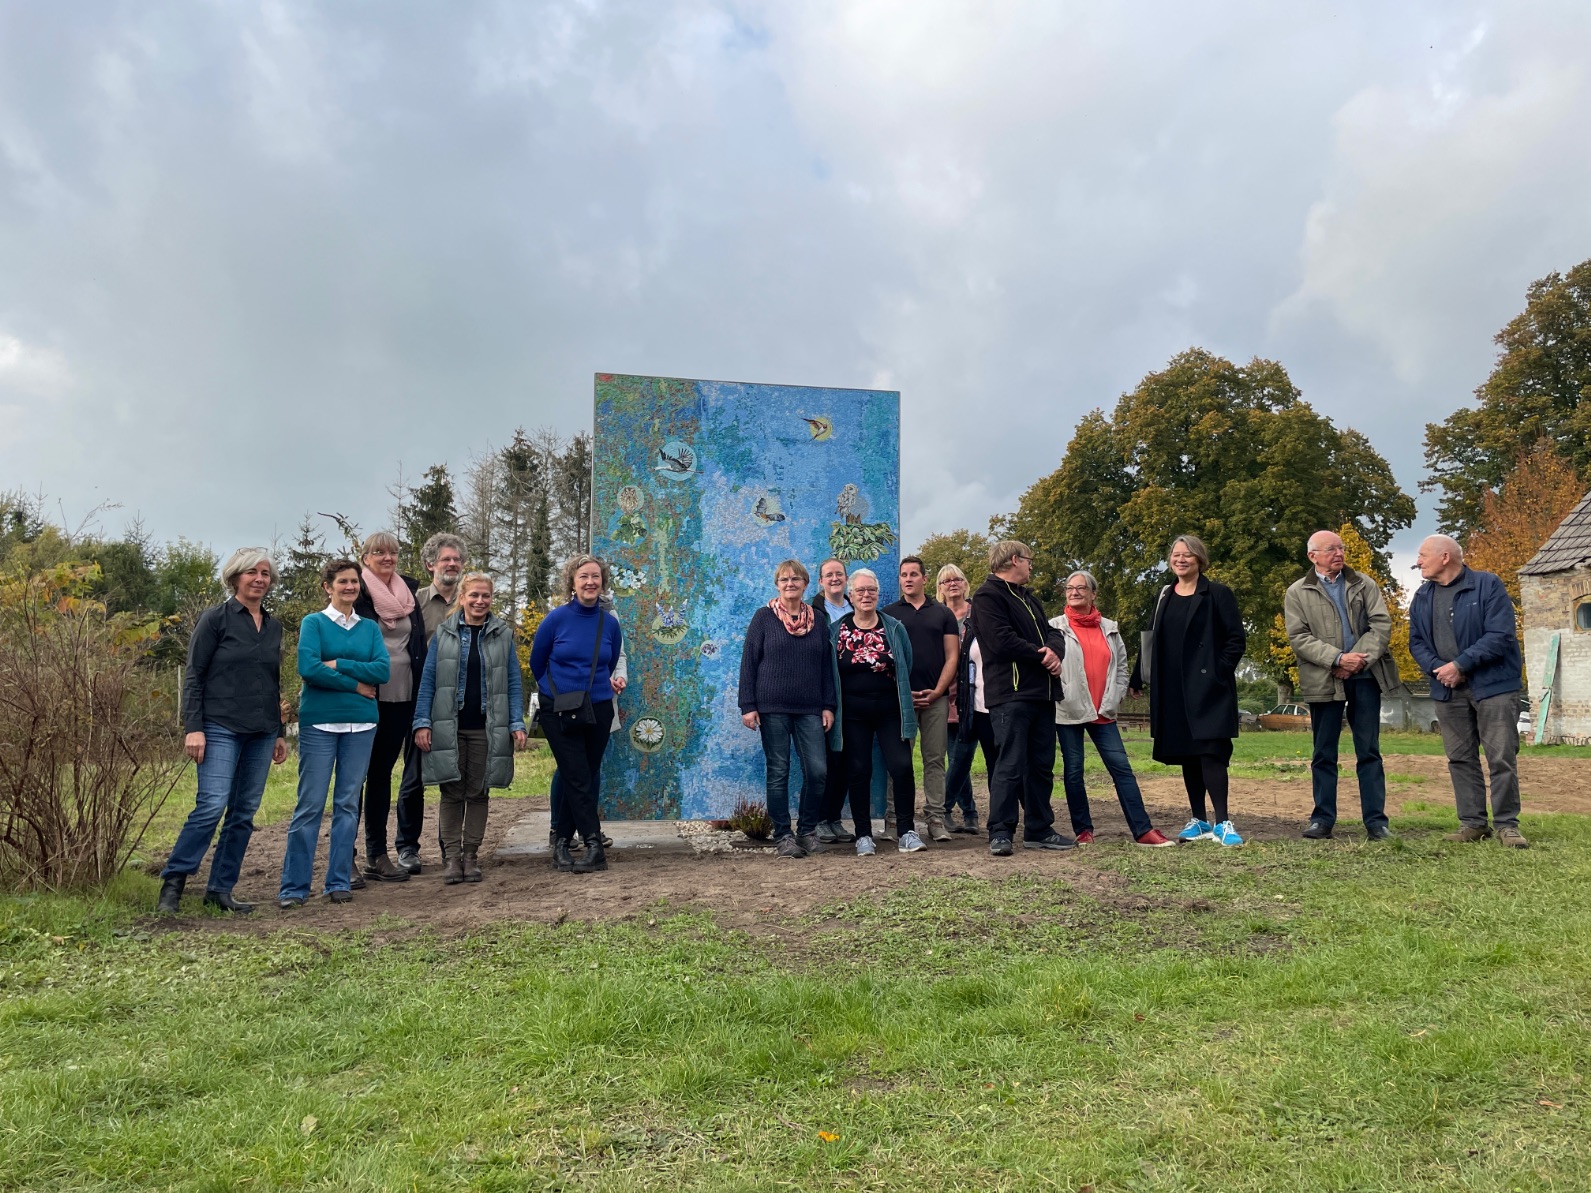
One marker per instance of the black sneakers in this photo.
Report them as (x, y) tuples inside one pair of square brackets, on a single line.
[(1000, 846), (1049, 840)]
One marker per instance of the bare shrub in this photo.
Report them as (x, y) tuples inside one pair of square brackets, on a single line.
[(89, 739)]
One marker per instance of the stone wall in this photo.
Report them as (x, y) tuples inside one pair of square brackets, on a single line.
[(1549, 603)]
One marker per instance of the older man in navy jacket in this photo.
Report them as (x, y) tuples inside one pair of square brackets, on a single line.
[(1461, 633)]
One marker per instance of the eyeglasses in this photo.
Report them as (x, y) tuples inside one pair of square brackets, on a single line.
[(1078, 588), (864, 592), (1021, 559)]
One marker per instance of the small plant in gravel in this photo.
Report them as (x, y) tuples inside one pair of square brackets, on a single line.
[(751, 819)]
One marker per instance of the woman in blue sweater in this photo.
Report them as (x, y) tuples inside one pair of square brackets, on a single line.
[(575, 650), (341, 659), (787, 692)]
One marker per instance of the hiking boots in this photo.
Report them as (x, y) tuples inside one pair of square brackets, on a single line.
[(453, 871), (472, 866), (380, 866), (1512, 837), (1471, 833)]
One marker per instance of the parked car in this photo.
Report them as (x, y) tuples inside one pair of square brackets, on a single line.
[(1526, 721), (1286, 716), (1247, 720)]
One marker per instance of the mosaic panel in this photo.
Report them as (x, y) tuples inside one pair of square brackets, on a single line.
[(701, 488)]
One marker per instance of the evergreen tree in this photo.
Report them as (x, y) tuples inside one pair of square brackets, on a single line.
[(423, 512)]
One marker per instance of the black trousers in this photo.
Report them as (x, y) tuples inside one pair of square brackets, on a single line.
[(578, 752), (1024, 736), (394, 740), (836, 787), (863, 723)]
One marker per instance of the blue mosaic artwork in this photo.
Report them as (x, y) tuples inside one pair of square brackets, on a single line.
[(701, 489)]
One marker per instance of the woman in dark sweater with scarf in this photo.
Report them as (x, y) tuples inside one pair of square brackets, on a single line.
[(787, 692)]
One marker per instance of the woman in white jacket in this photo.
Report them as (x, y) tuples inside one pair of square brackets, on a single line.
[(1094, 679)]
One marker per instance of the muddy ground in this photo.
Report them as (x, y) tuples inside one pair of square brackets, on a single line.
[(759, 893)]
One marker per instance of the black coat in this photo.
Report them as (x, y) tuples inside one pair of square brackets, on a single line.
[(1210, 652), (1013, 631), (417, 645)]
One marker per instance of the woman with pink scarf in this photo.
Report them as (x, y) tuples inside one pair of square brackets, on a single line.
[(387, 597)]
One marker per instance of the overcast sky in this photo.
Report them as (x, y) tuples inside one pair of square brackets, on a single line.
[(254, 255)]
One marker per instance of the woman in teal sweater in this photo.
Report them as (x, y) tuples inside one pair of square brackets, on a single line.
[(341, 659)]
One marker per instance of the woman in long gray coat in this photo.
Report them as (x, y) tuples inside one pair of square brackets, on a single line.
[(469, 720)]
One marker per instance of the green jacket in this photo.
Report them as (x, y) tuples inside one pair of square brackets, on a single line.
[(442, 691), (1315, 631)]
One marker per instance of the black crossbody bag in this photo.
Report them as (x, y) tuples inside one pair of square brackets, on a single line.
[(574, 709)]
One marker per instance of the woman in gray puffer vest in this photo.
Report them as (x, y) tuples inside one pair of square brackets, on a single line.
[(469, 720)]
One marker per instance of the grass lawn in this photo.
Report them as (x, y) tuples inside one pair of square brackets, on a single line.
[(1339, 1017), (1281, 1017)]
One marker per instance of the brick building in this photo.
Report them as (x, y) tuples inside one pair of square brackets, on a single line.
[(1555, 593)]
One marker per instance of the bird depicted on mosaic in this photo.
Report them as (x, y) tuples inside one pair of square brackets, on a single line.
[(854, 539), (822, 427), (767, 510)]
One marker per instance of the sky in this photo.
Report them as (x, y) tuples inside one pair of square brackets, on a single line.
[(255, 256)]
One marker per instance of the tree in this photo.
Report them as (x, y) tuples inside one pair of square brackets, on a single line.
[(127, 573), (1535, 497), (520, 504), (1232, 454), (1539, 388), (297, 592), (423, 512), (571, 492), (967, 549), (478, 517)]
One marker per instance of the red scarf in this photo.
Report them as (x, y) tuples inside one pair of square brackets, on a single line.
[(796, 624), (1096, 652)]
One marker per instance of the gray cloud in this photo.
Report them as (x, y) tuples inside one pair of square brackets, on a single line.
[(252, 258)]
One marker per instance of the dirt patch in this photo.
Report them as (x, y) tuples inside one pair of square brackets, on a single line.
[(764, 895)]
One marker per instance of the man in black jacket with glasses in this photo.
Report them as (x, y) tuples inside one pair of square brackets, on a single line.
[(1021, 683)]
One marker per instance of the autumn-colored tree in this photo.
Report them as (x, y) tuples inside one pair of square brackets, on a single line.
[(1539, 389), (967, 549), (1535, 497), (1360, 557)]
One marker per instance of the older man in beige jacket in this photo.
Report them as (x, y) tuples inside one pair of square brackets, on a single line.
[(1339, 628)]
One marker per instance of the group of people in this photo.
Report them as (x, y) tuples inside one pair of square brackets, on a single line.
[(430, 677), (391, 673), (851, 689)]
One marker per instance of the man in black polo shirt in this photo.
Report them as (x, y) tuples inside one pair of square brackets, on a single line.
[(936, 644)]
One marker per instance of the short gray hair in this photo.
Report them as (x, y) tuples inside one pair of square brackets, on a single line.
[(434, 544), (860, 572), (381, 540), (241, 561), (1093, 584)]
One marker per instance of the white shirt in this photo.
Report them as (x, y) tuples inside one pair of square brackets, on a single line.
[(347, 621), (976, 656)]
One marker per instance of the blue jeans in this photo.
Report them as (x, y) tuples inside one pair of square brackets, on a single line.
[(231, 781), (319, 755), (1107, 740), (1363, 707), (958, 775), (804, 731)]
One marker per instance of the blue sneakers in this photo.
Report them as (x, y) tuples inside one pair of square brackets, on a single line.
[(1196, 830), (1225, 834)]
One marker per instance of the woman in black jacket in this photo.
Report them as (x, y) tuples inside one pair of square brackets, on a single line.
[(232, 714), (1189, 665)]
